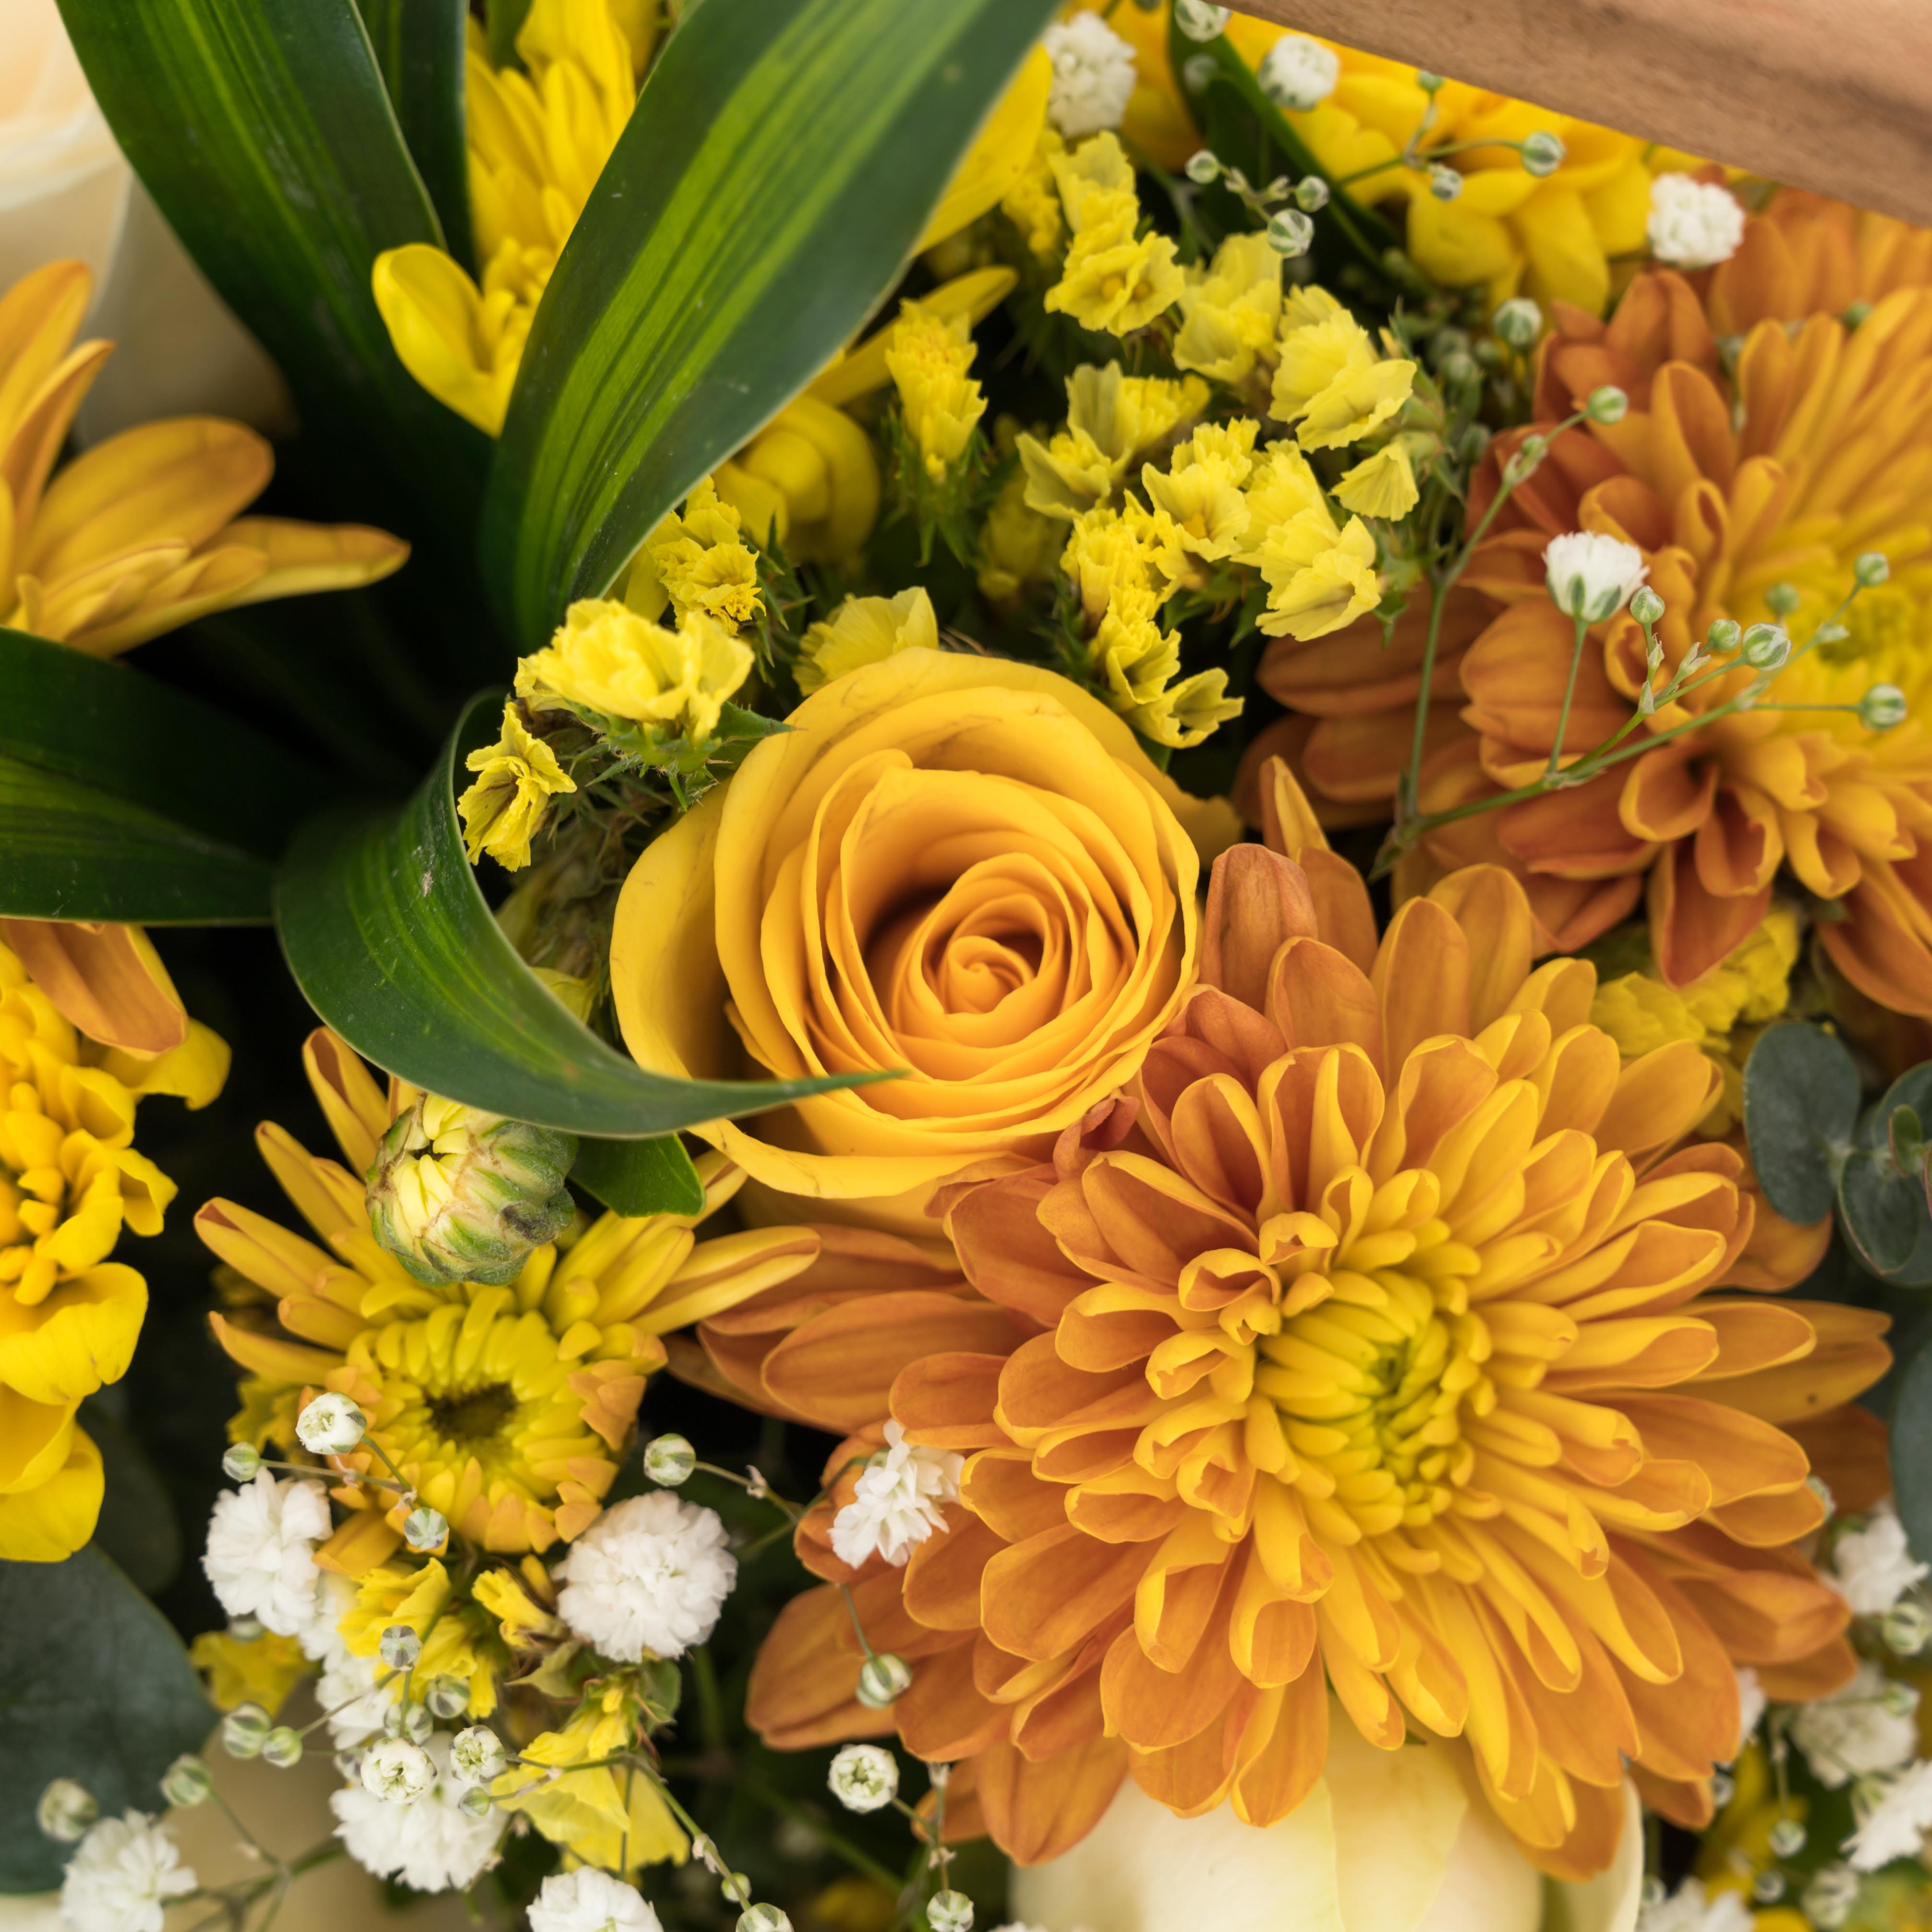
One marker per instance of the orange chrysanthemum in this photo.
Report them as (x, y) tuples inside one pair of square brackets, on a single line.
[(1370, 1345)]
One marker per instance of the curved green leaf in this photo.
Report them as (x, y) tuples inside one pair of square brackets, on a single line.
[(1881, 1205), (654, 1176), (1800, 1108), (419, 46), (262, 130), (1912, 1452), (387, 935), (782, 159)]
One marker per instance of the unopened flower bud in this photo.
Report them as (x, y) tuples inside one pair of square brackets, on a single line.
[(1542, 154), (282, 1747), (1608, 404), (186, 1782), (1907, 1626), (458, 1195), (476, 1801), (1900, 1700), (1724, 636), (1445, 183), (1518, 322), (243, 1730), (1781, 599), (241, 1462), (476, 1755), (1829, 1897), (864, 1777), (411, 1720), (1458, 369), (1646, 607), (1723, 1788), (1198, 72), (1882, 707), (1429, 83), (1871, 570), (397, 1770), (1590, 574), (425, 1528), (332, 1425), (1768, 1888), (1199, 21), (1856, 312), (1786, 1838), (1204, 167), (400, 1647), (447, 1697), (66, 1809), (1311, 194), (670, 1460), (1298, 73), (763, 1918), (245, 1629), (1290, 232), (883, 1680), (1767, 646), (949, 1912)]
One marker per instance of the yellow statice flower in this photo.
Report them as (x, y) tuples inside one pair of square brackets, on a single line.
[(604, 658), (1381, 485), (460, 1638), (929, 356), (509, 804), (607, 1815), (1508, 231), (1111, 552), (1018, 546), (696, 561), (1229, 310), (508, 1408), (145, 531), (1136, 662), (1115, 278), (519, 1600), (1032, 204), (1111, 418), (864, 630), (69, 1181), (1320, 576), (1200, 491), (262, 1669), (1719, 1011), (1331, 382)]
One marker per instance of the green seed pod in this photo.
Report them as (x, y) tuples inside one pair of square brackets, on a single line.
[(457, 1194)]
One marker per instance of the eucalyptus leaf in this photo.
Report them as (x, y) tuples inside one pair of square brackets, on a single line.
[(95, 1685), (419, 46), (389, 937), (1912, 1452), (1882, 1204), (784, 156), (653, 1177), (1801, 1106)]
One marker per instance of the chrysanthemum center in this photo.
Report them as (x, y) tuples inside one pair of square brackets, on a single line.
[(474, 1415)]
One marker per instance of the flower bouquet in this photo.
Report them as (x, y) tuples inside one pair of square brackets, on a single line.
[(1027, 900)]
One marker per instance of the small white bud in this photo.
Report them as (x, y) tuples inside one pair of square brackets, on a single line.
[(1518, 322), (864, 1777), (1882, 707), (241, 1462), (1298, 73), (1724, 636), (1693, 224), (1290, 232), (1907, 1626), (949, 1912), (400, 1647), (447, 1697), (1203, 167), (1199, 21), (1608, 404), (243, 1730), (332, 1425), (669, 1460), (1646, 607), (883, 1680), (1311, 194), (1786, 1838), (1767, 646), (1829, 1898), (186, 1782), (1781, 599), (476, 1801), (1900, 1700), (1768, 1888), (1198, 72), (1445, 183), (425, 1528), (66, 1809), (411, 1720), (476, 1755), (396, 1770), (245, 1629), (282, 1747), (1542, 154), (1871, 570), (763, 1918)]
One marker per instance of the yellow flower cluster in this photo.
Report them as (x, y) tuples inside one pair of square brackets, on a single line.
[(1230, 308), (864, 630), (1111, 418), (1032, 204), (459, 1636), (1321, 576), (1114, 278), (928, 356), (1331, 384), (696, 560), (510, 803), (1018, 546), (69, 1181)]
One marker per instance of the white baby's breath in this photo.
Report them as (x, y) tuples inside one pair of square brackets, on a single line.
[(901, 1500), (260, 1556), (650, 1574)]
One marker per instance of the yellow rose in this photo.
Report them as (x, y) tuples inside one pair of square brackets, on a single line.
[(960, 866)]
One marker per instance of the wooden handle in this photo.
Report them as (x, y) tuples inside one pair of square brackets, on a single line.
[(1834, 95)]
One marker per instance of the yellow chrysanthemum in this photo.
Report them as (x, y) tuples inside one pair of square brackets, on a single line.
[(509, 804), (863, 631), (604, 658), (509, 1409), (145, 531), (69, 1181), (1017, 544), (263, 1669)]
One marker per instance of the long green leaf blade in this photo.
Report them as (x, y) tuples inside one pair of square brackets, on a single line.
[(782, 160), (419, 46), (654, 1176), (387, 935)]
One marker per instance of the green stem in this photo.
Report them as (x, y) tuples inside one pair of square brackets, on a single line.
[(1582, 628)]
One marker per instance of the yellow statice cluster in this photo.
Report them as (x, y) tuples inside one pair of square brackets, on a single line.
[(1230, 308), (69, 1181), (459, 1635), (1719, 1011), (1115, 278), (146, 531), (863, 631), (1111, 418), (929, 356), (262, 1670), (696, 560), (1032, 204), (1018, 546), (1320, 574), (1331, 383), (509, 804)]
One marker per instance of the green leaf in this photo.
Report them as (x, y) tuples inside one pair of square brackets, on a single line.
[(95, 1685), (653, 1177), (1912, 1452), (1882, 1204), (262, 130), (506, 20), (783, 158), (122, 798), (419, 46), (387, 935), (1801, 1107), (137, 1527)]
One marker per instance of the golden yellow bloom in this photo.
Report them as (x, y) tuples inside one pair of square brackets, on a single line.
[(929, 356), (695, 561), (1319, 577), (262, 1670), (586, 1811), (1010, 915), (1330, 380), (509, 803), (1381, 485), (1113, 278), (508, 1408), (69, 1181), (1033, 203), (808, 481), (145, 531), (863, 631), (1200, 491), (1018, 546), (1229, 310), (604, 658), (1110, 418)]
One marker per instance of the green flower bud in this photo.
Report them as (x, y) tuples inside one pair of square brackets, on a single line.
[(1290, 232), (670, 1460), (1781, 599), (1518, 322), (243, 1730), (1882, 707), (1856, 312), (1445, 183), (1786, 1838), (1311, 194), (457, 1195), (425, 1528), (763, 1918), (1724, 636), (282, 1747), (400, 1647), (240, 1463), (1542, 154), (884, 1680), (1608, 404), (1204, 167), (66, 1809), (1646, 607), (447, 1697), (1871, 570), (1199, 21), (949, 1912), (186, 1782), (1429, 83), (476, 1801), (1829, 1898), (1767, 646), (1907, 1626)]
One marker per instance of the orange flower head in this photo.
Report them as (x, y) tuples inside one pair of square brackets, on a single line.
[(1373, 1348)]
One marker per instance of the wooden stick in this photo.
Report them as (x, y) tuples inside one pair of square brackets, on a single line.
[(1834, 95)]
